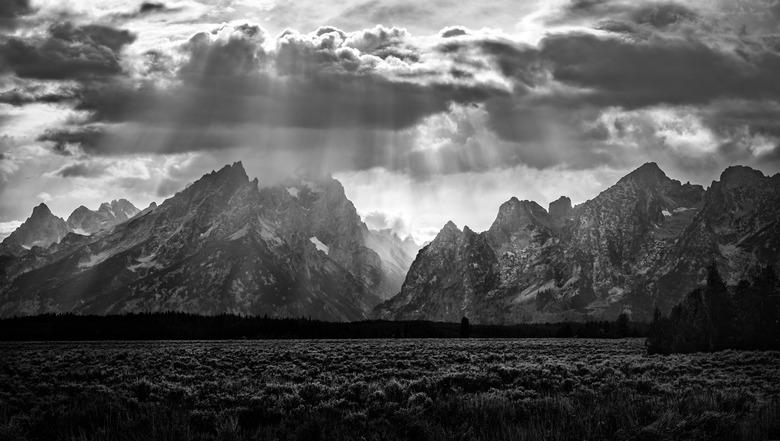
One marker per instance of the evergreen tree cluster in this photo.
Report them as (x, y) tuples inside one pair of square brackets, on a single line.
[(182, 326), (716, 317)]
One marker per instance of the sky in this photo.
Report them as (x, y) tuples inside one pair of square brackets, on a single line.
[(425, 111)]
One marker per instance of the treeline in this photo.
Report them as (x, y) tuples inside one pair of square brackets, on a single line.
[(181, 326), (716, 317)]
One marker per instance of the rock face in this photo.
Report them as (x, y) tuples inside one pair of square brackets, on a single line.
[(642, 243), (223, 244), (560, 210), (85, 221), (41, 229)]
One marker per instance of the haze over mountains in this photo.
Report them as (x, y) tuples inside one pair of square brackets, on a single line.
[(299, 248)]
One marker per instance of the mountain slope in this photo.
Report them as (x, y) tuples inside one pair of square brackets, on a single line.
[(639, 244)]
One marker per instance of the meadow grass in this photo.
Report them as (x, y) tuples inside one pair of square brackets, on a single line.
[(452, 389)]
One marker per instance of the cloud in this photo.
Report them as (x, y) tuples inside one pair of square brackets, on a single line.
[(23, 94), (654, 14), (454, 101), (66, 52), (614, 71), (380, 12), (82, 170), (148, 7), (6, 228), (373, 79), (11, 10), (453, 31), (65, 140), (377, 220)]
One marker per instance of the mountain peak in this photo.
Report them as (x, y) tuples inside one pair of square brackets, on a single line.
[(648, 172), (740, 175), (450, 226), (236, 168), (449, 234), (560, 208), (233, 175), (41, 210), (515, 210), (42, 229)]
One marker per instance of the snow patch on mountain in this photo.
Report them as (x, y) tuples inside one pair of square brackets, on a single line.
[(240, 233), (94, 259), (320, 246), (208, 232), (144, 262)]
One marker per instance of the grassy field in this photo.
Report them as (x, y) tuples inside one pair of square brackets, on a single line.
[(446, 389)]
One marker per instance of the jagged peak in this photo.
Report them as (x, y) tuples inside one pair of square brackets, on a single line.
[(234, 168), (228, 173), (515, 207), (316, 183), (121, 202), (739, 175), (449, 229), (450, 225), (648, 172), (513, 203)]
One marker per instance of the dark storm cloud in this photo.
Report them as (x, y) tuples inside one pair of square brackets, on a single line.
[(82, 170), (66, 52), (323, 80), (147, 7), (224, 84), (453, 31), (658, 15), (633, 74), (22, 95), (62, 140), (11, 10), (762, 117)]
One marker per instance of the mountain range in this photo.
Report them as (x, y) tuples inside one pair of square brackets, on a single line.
[(225, 244), (642, 243), (43, 228), (222, 245)]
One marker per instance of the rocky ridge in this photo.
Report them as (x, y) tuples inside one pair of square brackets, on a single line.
[(640, 244)]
